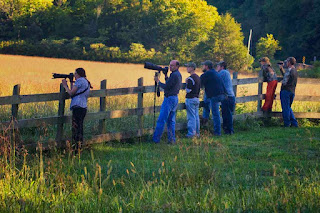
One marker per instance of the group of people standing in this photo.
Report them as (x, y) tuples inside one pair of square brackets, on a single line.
[(218, 94)]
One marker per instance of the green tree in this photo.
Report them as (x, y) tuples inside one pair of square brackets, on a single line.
[(226, 43), (267, 46)]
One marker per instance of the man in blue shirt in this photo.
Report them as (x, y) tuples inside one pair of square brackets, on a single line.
[(215, 92), (169, 105), (228, 104)]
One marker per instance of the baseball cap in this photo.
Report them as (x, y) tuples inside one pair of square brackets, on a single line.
[(191, 64), (207, 63), (222, 63)]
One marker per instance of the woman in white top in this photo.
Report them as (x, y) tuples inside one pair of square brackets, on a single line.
[(79, 93)]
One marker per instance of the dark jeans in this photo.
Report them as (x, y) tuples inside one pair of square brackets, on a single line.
[(78, 115), (286, 98), (215, 102), (227, 109)]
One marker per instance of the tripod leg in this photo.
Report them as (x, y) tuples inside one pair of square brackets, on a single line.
[(154, 105)]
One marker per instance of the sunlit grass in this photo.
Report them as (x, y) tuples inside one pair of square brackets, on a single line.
[(269, 170)]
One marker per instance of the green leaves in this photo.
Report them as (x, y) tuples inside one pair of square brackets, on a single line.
[(267, 46)]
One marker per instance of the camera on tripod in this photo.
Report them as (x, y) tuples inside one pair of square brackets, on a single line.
[(65, 76), (151, 66)]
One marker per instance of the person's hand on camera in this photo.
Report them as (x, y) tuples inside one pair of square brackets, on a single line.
[(156, 79), (64, 83)]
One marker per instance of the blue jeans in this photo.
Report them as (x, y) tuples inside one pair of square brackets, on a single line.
[(192, 105), (215, 102), (206, 107), (167, 115), (286, 98), (227, 109)]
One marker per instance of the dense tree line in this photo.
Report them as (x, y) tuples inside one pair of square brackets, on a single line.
[(293, 22), (121, 30)]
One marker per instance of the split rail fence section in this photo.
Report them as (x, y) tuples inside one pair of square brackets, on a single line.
[(104, 115)]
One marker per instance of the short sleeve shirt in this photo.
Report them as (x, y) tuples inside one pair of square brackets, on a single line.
[(81, 100)]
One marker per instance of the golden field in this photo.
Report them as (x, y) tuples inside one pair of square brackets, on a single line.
[(35, 76)]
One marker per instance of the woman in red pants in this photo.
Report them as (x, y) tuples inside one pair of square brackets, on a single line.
[(270, 76)]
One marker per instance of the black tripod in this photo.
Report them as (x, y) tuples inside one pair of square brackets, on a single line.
[(156, 93)]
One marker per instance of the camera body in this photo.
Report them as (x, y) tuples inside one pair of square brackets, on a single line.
[(283, 63), (151, 66), (70, 76)]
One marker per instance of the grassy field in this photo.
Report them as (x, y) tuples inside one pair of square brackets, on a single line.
[(261, 170)]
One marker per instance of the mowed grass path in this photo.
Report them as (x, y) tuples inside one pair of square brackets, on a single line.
[(261, 170)]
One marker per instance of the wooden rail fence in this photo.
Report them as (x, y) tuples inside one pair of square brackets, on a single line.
[(102, 115)]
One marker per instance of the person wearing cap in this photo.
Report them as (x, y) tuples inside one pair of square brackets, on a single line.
[(287, 93), (192, 100), (228, 104), (206, 104), (270, 76), (215, 91), (170, 103)]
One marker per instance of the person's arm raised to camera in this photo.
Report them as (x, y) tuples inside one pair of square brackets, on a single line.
[(72, 91), (170, 82)]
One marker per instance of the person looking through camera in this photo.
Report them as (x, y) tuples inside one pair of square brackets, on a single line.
[(287, 93), (169, 105), (79, 93)]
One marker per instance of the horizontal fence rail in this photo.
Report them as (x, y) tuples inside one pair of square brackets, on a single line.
[(140, 111)]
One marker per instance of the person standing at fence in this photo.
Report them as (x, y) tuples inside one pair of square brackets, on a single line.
[(170, 103), (228, 104), (270, 76), (192, 100), (287, 93), (215, 92), (205, 110), (79, 93)]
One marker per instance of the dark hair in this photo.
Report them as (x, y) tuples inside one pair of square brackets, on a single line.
[(82, 73), (223, 64), (292, 60), (178, 63)]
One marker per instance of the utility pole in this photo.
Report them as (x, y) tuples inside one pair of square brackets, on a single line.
[(249, 41)]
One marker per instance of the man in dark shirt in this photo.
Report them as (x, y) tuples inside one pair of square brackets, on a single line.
[(169, 104), (192, 101), (287, 93), (215, 92)]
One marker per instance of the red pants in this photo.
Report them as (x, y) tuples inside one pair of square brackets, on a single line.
[(271, 88)]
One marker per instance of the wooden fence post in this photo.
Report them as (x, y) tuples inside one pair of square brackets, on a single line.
[(62, 103), (235, 76), (260, 86), (14, 118), (140, 107), (15, 107), (102, 122)]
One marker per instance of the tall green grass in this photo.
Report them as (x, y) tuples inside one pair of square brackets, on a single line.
[(269, 169)]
